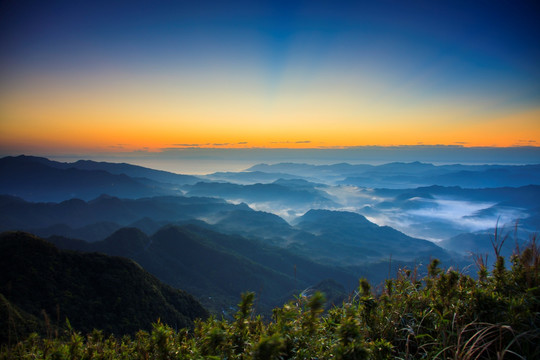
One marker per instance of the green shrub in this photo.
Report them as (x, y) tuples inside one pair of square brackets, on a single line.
[(444, 315)]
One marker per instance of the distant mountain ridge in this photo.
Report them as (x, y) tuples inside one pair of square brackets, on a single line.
[(329, 214), (249, 177), (18, 214), (413, 174), (34, 179), (262, 193), (130, 170), (321, 235), (40, 179)]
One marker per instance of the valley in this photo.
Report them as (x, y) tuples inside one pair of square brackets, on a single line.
[(272, 229)]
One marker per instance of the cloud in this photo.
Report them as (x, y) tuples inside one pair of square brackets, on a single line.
[(291, 142), (190, 145), (143, 150), (525, 143), (450, 209)]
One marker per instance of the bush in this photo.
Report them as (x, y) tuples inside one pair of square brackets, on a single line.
[(444, 315)]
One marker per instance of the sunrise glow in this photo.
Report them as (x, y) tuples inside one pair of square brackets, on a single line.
[(261, 76)]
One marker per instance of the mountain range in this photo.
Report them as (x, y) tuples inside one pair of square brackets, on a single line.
[(335, 237), (278, 230), (415, 174), (215, 267)]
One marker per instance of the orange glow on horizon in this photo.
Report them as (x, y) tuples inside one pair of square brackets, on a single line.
[(127, 113)]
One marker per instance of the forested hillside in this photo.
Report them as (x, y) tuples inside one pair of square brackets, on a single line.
[(445, 315), (216, 267), (41, 287)]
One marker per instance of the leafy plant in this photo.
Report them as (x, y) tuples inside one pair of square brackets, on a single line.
[(444, 315)]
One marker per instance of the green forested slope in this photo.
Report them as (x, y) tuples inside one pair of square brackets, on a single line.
[(444, 315), (216, 267), (91, 290)]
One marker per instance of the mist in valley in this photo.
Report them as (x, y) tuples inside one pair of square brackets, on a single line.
[(282, 227)]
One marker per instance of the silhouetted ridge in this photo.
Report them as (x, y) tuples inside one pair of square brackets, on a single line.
[(76, 214), (347, 238), (126, 242), (217, 267), (38, 179), (249, 223)]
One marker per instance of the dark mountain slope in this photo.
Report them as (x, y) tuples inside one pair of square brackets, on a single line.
[(230, 274), (36, 180), (133, 171), (185, 260), (91, 290), (17, 214), (254, 223), (350, 239), (275, 258), (91, 232), (216, 267)]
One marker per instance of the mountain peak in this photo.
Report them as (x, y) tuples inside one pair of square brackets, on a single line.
[(315, 215), (126, 240), (104, 197)]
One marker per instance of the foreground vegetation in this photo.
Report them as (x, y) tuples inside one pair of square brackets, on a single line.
[(443, 315)]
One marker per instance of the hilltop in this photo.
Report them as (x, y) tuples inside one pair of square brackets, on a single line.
[(41, 287)]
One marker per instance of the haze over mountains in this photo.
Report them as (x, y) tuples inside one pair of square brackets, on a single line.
[(274, 229)]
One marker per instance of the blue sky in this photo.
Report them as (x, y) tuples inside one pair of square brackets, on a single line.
[(325, 73)]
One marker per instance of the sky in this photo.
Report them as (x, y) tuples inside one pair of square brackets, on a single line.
[(131, 77)]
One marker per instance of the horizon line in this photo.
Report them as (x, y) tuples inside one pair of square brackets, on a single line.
[(122, 150)]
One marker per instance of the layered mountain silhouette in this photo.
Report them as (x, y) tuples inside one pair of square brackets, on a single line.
[(350, 239), (134, 171), (306, 226), (414, 174), (276, 192), (215, 267), (249, 177), (444, 212), (40, 179), (42, 286), (36, 180), (95, 219), (258, 224), (334, 237)]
